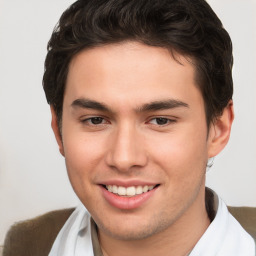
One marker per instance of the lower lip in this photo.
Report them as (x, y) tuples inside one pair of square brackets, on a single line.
[(127, 203)]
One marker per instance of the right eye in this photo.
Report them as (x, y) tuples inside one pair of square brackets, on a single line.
[(97, 120), (162, 121)]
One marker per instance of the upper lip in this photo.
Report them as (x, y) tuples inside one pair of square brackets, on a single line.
[(128, 183)]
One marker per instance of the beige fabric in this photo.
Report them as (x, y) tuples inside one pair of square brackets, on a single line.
[(246, 216), (35, 237)]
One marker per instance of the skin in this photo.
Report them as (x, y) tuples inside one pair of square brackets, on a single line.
[(130, 143)]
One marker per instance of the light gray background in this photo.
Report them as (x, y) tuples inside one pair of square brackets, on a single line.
[(33, 178)]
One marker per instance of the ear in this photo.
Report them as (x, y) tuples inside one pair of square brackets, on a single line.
[(219, 131), (56, 131)]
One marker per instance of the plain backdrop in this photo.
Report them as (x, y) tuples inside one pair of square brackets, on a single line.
[(33, 177)]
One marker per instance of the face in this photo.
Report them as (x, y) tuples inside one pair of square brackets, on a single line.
[(134, 137)]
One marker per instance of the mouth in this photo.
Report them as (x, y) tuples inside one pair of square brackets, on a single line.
[(129, 196), (130, 191)]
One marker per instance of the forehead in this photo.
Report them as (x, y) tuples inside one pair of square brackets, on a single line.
[(127, 56), (130, 71)]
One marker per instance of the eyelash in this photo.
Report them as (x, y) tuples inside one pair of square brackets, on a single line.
[(167, 120), (89, 121)]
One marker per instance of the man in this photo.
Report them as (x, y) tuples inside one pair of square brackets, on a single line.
[(141, 101)]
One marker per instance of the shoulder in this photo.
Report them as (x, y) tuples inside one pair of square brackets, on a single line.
[(246, 216), (36, 236)]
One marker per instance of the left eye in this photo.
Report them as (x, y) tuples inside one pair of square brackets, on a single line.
[(160, 121), (94, 120)]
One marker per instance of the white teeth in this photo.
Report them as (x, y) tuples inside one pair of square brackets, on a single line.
[(145, 189), (139, 190), (121, 191), (129, 191), (114, 189), (110, 188)]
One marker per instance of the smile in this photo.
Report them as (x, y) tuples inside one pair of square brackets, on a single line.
[(128, 191), (128, 197)]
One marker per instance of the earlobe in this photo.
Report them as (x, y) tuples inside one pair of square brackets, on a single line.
[(220, 131), (56, 131)]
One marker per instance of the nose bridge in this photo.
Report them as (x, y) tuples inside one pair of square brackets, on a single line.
[(126, 149)]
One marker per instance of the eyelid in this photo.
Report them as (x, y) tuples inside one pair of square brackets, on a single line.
[(105, 120), (169, 119), (86, 119)]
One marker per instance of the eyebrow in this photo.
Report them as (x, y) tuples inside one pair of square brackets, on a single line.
[(162, 105), (86, 103), (152, 106)]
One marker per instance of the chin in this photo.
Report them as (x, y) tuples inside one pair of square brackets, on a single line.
[(131, 229)]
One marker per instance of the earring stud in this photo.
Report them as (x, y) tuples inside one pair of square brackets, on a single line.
[(209, 164)]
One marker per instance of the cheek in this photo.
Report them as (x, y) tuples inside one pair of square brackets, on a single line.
[(183, 161), (78, 155), (82, 161), (83, 155), (181, 153), (81, 147)]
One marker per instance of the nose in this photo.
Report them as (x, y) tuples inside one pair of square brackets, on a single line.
[(126, 149)]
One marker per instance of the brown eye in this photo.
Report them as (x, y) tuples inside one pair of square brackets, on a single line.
[(96, 120), (161, 121)]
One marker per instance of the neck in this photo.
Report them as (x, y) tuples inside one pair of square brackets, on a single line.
[(177, 240)]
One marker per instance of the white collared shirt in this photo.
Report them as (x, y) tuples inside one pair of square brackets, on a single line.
[(223, 237)]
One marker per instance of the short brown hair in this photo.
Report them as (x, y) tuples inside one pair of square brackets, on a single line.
[(189, 27)]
